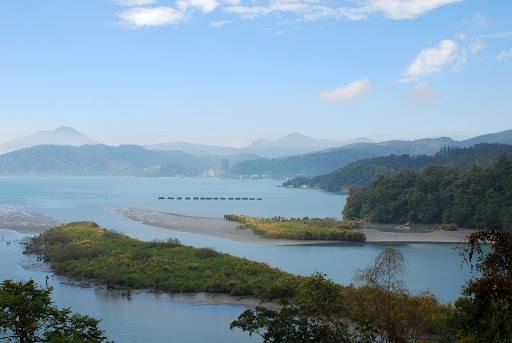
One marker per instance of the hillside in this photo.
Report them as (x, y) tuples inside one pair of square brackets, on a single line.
[(364, 172), (105, 160), (327, 161), (292, 144), (472, 198)]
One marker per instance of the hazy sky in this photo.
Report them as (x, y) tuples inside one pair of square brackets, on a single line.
[(230, 71)]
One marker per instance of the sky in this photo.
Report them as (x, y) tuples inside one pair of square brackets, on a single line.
[(227, 72)]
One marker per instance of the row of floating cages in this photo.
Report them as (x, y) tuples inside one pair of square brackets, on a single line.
[(208, 198)]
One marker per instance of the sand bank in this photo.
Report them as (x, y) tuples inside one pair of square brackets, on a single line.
[(24, 221), (458, 236), (225, 229), (217, 227)]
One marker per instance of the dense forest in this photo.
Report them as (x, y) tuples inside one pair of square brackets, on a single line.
[(474, 198), (363, 172)]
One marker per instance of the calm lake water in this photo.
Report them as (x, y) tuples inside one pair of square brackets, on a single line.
[(152, 318)]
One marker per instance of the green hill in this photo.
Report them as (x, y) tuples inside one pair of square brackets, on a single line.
[(473, 198), (364, 172), (326, 161), (106, 160)]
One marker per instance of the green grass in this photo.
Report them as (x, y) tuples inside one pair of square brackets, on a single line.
[(301, 228), (83, 249)]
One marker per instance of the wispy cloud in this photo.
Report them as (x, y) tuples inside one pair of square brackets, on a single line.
[(497, 35), (423, 92), (301, 10), (205, 6), (504, 56), (432, 60), (151, 16), (348, 92), (134, 2), (404, 9), (219, 23)]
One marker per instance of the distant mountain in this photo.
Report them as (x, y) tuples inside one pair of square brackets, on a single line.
[(327, 161), (195, 149), (60, 136), (292, 144), (107, 160), (363, 172), (504, 137)]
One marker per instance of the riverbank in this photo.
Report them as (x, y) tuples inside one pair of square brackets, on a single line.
[(217, 227), (30, 222), (459, 236), (225, 229)]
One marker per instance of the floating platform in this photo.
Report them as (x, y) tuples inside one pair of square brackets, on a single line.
[(208, 198)]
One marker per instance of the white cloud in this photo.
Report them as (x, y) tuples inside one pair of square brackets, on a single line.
[(151, 16), (134, 2), (477, 46), (205, 6), (349, 92), (504, 55), (404, 9), (302, 10), (432, 60), (423, 92), (219, 23)]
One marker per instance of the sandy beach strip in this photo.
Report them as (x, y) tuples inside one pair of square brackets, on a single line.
[(26, 222), (217, 227), (225, 229), (459, 236)]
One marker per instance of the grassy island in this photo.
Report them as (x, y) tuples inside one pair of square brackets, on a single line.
[(86, 250), (301, 228)]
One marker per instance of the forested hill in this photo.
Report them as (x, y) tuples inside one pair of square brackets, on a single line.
[(326, 161), (104, 160), (364, 172), (473, 198)]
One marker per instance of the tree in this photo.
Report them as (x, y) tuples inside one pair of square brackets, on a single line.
[(484, 314), (384, 280), (27, 315), (316, 316)]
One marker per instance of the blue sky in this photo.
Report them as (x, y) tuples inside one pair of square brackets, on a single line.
[(227, 72)]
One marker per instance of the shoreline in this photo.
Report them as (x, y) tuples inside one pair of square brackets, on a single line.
[(221, 228), (32, 223)]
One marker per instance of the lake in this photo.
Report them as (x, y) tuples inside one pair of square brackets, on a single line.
[(155, 318)]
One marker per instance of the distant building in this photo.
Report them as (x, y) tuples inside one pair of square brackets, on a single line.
[(214, 173)]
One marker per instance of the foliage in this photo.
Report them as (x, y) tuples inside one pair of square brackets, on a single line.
[(485, 312), (474, 198), (315, 317), (86, 250), (327, 312), (301, 229), (28, 315), (363, 172)]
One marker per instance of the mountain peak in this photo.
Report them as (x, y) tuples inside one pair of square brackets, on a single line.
[(63, 135)]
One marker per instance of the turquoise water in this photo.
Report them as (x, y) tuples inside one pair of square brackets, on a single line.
[(431, 266)]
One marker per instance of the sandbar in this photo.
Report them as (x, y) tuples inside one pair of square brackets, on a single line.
[(225, 229), (435, 236), (217, 227)]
